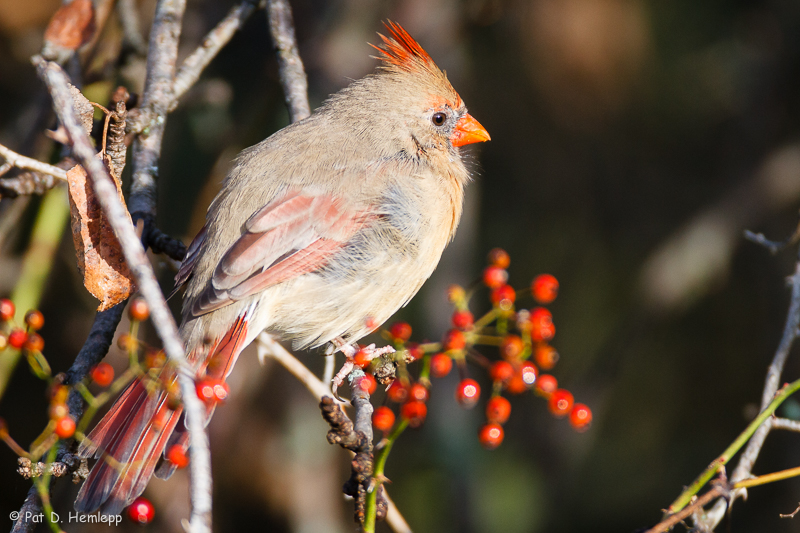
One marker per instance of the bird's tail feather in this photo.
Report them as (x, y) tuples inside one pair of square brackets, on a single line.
[(141, 425)]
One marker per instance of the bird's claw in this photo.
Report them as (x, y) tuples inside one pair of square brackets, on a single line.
[(350, 351)]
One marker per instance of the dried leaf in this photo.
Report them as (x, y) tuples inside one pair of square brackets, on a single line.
[(83, 107), (100, 258), (72, 25)]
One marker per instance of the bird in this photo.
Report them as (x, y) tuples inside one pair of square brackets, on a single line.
[(319, 234)]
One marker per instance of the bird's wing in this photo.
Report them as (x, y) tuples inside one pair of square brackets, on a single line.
[(290, 236)]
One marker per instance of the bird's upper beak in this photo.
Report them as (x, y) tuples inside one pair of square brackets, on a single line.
[(468, 131)]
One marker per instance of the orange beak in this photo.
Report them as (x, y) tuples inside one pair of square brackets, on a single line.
[(468, 131)]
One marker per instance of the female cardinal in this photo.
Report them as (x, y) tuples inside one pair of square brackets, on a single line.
[(320, 233)]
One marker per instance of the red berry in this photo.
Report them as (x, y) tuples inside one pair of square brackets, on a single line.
[(362, 359), (7, 310), (17, 338), (494, 277), (544, 288), (441, 364), (511, 347), (138, 310), (546, 385), (560, 402), (383, 418), (491, 435), (65, 427), (528, 372), (127, 343), (499, 258), (501, 371), (515, 385), (367, 384), (58, 411), (418, 392), (177, 456), (454, 340), (34, 319), (580, 416), (102, 374), (542, 327), (141, 511), (212, 391), (397, 392), (34, 343), (504, 296), (463, 319), (468, 393), (401, 331), (546, 356), (498, 410), (415, 412), (415, 351)]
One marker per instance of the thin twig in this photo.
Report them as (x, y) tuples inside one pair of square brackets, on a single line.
[(786, 423), (673, 520), (20, 161), (189, 72), (755, 440), (290, 66), (129, 17), (268, 347), (135, 256), (29, 510)]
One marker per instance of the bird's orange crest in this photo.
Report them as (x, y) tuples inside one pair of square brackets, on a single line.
[(401, 50)]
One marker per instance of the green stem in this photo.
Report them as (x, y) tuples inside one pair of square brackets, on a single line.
[(36, 264), (768, 478), (730, 451), (371, 504), (43, 488)]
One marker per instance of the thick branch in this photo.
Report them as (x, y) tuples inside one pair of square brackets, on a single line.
[(161, 59), (139, 265), (94, 349), (290, 66)]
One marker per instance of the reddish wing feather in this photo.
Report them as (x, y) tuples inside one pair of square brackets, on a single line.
[(291, 236)]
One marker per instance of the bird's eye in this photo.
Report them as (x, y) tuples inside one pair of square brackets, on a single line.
[(438, 119)]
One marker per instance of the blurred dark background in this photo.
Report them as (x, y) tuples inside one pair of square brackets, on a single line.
[(632, 143)]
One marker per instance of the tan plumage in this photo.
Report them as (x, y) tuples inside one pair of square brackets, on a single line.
[(324, 229)]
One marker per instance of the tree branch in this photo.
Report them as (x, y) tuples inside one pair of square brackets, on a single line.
[(27, 163), (106, 192), (290, 66), (158, 94)]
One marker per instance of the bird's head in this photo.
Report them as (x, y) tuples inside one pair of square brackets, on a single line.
[(426, 103)]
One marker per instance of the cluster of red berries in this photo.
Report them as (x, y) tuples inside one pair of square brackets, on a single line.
[(17, 337), (522, 337)]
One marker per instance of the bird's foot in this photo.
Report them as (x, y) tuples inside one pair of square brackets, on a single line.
[(350, 351)]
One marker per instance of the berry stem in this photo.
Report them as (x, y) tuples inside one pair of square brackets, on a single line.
[(43, 488), (736, 445), (371, 504), (485, 320)]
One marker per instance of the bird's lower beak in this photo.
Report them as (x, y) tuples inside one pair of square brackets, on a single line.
[(468, 131)]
